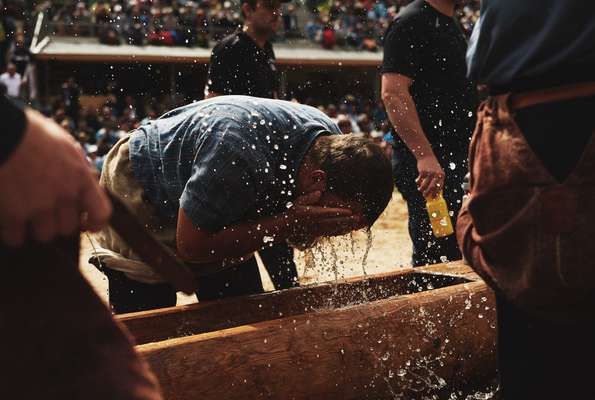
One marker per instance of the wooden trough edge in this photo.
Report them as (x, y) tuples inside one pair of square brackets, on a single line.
[(412, 345), (156, 325)]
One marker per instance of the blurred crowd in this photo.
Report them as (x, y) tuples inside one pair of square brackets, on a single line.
[(140, 22), (360, 24), (98, 122), (355, 24)]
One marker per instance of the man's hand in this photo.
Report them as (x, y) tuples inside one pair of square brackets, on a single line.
[(311, 221), (47, 187), (430, 181)]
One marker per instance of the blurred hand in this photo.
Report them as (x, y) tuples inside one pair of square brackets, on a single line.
[(47, 187), (430, 181), (311, 221)]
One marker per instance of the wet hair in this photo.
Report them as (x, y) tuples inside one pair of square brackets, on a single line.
[(357, 169)]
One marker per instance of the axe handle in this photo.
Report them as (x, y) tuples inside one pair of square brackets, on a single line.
[(150, 250)]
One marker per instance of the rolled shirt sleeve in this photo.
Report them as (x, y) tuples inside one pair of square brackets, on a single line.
[(401, 48)]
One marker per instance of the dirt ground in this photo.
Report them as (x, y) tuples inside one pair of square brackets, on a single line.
[(339, 257)]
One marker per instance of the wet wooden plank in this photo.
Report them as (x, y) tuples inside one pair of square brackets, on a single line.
[(401, 347), (156, 325)]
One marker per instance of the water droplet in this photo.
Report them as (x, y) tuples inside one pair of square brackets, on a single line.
[(262, 122), (452, 166), (268, 239), (283, 166)]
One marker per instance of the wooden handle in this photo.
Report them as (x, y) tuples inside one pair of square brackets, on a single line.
[(150, 250)]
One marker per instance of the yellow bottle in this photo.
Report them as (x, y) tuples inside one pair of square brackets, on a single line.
[(439, 217)]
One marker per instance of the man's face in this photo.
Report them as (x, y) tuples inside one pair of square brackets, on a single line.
[(265, 18)]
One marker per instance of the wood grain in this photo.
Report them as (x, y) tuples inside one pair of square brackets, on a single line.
[(408, 346), (155, 325)]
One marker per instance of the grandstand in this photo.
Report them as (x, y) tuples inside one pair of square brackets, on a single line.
[(102, 68)]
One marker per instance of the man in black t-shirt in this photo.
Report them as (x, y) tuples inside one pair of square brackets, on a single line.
[(431, 104), (244, 64)]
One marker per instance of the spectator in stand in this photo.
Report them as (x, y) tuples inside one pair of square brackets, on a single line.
[(7, 31), (201, 23), (81, 19), (109, 135), (71, 93), (344, 124), (13, 81), (329, 39), (290, 20), (19, 54), (136, 32), (364, 125)]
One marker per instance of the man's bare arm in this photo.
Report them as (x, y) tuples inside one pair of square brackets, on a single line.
[(201, 246), (403, 115)]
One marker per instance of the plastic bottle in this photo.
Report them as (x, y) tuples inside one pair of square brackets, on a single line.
[(439, 217)]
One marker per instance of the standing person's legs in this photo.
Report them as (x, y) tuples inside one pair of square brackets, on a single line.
[(240, 280), (427, 249), (278, 261), (541, 359), (127, 295)]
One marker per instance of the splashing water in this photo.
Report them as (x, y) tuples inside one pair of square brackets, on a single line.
[(367, 252)]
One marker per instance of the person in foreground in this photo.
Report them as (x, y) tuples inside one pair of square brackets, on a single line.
[(63, 342), (528, 224), (220, 179)]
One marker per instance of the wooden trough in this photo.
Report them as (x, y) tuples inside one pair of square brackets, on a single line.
[(408, 334)]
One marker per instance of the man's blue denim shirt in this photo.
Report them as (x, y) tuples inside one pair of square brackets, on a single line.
[(226, 159)]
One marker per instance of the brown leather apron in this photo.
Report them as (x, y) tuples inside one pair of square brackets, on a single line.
[(529, 236)]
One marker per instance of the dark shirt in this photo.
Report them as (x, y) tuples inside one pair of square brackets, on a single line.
[(13, 127), (524, 45), (225, 159), (21, 57), (429, 47), (238, 66)]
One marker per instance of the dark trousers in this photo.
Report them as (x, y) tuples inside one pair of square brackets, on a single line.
[(278, 261), (427, 249), (127, 295), (540, 359)]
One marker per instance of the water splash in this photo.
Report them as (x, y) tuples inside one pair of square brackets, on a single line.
[(369, 240)]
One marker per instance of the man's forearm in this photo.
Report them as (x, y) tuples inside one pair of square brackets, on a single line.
[(234, 241), (402, 113)]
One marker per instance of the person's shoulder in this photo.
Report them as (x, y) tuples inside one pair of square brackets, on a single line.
[(229, 44), (411, 15)]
